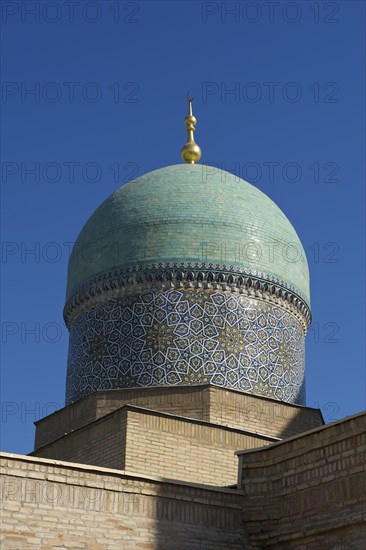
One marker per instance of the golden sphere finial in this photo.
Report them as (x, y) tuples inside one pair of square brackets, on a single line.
[(190, 152)]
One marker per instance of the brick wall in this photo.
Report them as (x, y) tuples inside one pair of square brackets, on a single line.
[(308, 492), (47, 504), (210, 403), (258, 414), (65, 420), (100, 443), (156, 443), (191, 402), (186, 450)]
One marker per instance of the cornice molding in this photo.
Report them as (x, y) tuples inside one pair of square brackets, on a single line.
[(154, 277)]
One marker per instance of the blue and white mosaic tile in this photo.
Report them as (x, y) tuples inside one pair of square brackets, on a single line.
[(187, 338)]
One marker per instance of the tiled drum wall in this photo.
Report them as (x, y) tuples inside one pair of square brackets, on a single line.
[(187, 337)]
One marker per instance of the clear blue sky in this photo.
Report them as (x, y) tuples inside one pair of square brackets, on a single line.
[(109, 81)]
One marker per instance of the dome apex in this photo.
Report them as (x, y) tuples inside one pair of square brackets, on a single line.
[(191, 152)]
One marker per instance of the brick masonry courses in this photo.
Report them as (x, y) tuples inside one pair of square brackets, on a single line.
[(156, 443), (308, 492), (209, 403), (48, 504), (304, 493)]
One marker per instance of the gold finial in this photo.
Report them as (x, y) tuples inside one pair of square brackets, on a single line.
[(190, 152)]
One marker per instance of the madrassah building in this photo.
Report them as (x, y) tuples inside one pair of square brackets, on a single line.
[(185, 424)]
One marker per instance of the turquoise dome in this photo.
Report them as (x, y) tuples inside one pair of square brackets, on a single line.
[(189, 213)]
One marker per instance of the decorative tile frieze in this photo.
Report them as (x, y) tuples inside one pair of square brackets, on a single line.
[(154, 277)]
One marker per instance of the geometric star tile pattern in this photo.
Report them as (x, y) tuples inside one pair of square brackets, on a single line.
[(187, 338)]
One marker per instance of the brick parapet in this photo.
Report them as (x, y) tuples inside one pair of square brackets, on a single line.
[(302, 491), (52, 504)]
